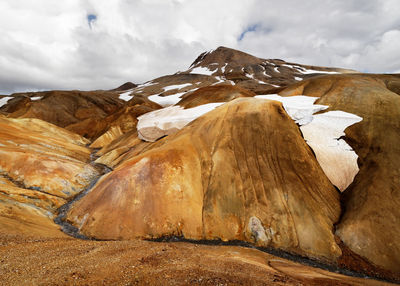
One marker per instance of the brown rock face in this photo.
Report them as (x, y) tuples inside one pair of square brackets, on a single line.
[(124, 120), (249, 177), (78, 111), (41, 166), (225, 66), (126, 86), (256, 74), (210, 94), (370, 222)]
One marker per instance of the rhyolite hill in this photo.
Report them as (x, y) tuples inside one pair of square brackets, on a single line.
[(296, 158)]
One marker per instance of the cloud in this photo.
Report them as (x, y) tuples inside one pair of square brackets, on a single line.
[(351, 34), (99, 44)]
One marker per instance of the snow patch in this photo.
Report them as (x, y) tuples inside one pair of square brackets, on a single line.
[(221, 79), (177, 86), (300, 108), (276, 69), (336, 157), (310, 71), (166, 100), (249, 75), (156, 124), (223, 68), (4, 100), (265, 71), (322, 132), (36, 98), (126, 95), (298, 78), (201, 70), (274, 85)]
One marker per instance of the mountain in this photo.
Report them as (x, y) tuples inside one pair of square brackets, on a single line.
[(301, 161)]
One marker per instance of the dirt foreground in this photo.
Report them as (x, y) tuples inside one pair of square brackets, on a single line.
[(33, 261)]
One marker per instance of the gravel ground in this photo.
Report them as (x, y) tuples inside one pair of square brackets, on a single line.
[(33, 261)]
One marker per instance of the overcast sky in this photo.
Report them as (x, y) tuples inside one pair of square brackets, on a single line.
[(100, 44)]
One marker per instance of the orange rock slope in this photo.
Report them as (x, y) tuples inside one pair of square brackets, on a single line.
[(41, 167), (242, 172)]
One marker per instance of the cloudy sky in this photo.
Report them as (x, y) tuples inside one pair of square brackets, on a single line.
[(100, 44)]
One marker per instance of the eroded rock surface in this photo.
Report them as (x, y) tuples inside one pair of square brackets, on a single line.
[(370, 223), (81, 112), (41, 166), (210, 185)]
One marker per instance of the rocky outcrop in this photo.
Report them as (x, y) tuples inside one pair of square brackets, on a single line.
[(240, 180), (370, 223)]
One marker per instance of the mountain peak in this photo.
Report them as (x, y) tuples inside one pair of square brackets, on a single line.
[(223, 55)]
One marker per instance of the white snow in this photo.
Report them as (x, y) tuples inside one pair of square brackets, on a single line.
[(126, 95), (298, 78), (36, 97), (300, 108), (219, 80), (249, 75), (177, 86), (322, 132), (259, 81), (223, 68), (222, 79), (289, 66), (264, 72), (156, 124), (4, 100), (274, 85), (336, 157), (202, 70), (276, 69), (166, 100), (267, 75), (310, 71)]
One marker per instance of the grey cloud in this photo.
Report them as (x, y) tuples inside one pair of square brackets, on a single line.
[(51, 46)]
